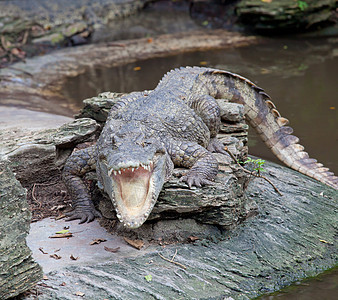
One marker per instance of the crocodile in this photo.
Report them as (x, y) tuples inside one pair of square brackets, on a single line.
[(148, 133)]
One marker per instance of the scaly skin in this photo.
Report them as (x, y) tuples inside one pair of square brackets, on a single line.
[(147, 133)]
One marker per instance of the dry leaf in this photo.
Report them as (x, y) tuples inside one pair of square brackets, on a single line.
[(149, 40), (79, 294), (62, 231), (138, 244), (203, 63), (55, 256), (63, 235), (60, 217), (137, 68), (193, 238), (325, 242), (97, 241), (113, 250), (43, 252), (73, 258)]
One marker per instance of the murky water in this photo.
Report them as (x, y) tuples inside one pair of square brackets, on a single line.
[(322, 287), (300, 76)]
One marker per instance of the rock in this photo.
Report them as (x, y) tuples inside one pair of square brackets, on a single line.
[(231, 112), (170, 231), (18, 271), (64, 11), (293, 237), (98, 107), (287, 15), (36, 156)]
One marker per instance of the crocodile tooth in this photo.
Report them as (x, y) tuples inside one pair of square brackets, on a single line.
[(115, 173), (119, 171), (132, 169)]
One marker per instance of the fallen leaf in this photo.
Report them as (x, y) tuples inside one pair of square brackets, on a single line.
[(60, 217), (58, 207), (79, 294), (203, 63), (267, 1), (97, 241), (113, 250), (148, 277), (62, 231), (265, 71), (64, 235), (73, 258), (325, 242), (137, 68), (193, 238), (55, 256), (138, 244), (332, 107), (149, 40), (43, 252)]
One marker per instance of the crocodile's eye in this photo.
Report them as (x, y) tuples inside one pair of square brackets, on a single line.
[(113, 140)]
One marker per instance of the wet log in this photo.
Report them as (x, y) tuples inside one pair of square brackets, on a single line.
[(18, 271), (287, 15)]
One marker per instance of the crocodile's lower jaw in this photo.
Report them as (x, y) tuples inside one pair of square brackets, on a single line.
[(133, 195)]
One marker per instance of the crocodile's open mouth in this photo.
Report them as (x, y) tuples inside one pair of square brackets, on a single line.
[(133, 193)]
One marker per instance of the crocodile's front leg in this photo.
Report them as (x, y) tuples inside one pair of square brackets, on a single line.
[(79, 163), (203, 165), (208, 109)]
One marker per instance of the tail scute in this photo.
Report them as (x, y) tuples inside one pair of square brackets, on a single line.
[(262, 115)]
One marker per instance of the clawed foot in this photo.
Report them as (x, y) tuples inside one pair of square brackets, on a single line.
[(215, 145), (85, 214), (196, 179)]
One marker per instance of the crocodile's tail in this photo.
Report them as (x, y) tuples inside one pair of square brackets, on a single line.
[(272, 128)]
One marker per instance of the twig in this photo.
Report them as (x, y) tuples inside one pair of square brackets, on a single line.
[(24, 39), (172, 260), (252, 173), (23, 71), (174, 256), (3, 43), (33, 196)]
